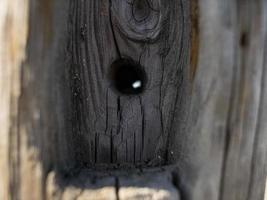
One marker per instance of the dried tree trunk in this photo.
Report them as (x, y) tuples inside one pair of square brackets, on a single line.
[(197, 131)]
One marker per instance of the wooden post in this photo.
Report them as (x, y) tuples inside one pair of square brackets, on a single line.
[(195, 129)]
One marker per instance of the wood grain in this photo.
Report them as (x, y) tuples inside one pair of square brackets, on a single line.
[(66, 133), (13, 40), (108, 127), (225, 146), (244, 125)]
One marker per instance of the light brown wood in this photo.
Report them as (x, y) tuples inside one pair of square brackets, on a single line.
[(13, 36), (155, 184)]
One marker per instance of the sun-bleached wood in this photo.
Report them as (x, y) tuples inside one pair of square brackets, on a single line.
[(155, 183), (13, 37), (225, 151)]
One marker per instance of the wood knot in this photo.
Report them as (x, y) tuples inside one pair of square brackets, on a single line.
[(140, 20), (141, 10)]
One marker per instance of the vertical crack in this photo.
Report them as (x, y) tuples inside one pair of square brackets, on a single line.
[(119, 114), (96, 145), (106, 112), (134, 147), (111, 147), (117, 187), (143, 127)]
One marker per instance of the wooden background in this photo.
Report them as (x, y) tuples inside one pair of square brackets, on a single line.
[(198, 131)]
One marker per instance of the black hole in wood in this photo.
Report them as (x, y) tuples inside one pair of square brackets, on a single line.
[(128, 77)]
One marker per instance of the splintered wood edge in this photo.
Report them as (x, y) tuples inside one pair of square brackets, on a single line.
[(154, 183)]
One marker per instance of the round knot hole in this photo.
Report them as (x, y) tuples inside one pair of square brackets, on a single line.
[(128, 76)]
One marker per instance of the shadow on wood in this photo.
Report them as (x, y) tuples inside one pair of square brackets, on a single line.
[(197, 130)]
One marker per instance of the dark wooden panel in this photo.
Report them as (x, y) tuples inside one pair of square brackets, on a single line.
[(127, 128)]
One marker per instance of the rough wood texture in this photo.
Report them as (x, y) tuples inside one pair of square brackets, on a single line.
[(204, 110), (225, 151), (153, 185), (13, 34), (108, 127), (133, 184)]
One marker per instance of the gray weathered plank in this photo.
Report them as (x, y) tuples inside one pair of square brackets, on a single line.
[(247, 103), (204, 108), (226, 140)]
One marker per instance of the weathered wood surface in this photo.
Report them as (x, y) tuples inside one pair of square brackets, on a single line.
[(13, 33), (108, 127), (225, 150), (156, 184), (204, 109)]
